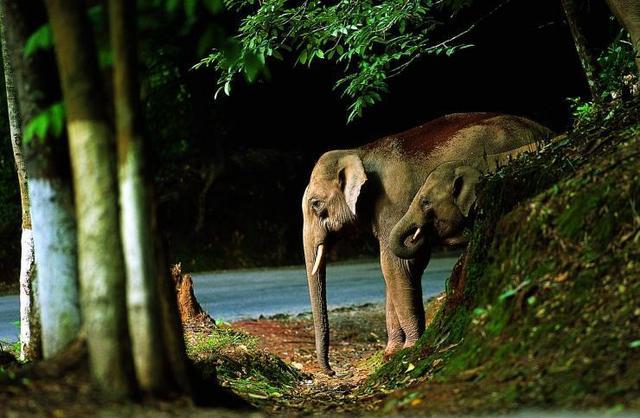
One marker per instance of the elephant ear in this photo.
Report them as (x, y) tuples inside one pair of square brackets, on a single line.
[(351, 177), (464, 187)]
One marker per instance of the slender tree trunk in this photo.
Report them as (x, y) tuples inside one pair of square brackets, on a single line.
[(52, 210), (151, 357), (574, 19), (30, 348), (101, 265)]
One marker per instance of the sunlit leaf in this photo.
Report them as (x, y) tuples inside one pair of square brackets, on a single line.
[(49, 122), (303, 57), (39, 40)]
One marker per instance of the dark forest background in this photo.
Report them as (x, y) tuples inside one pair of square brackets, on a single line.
[(230, 173)]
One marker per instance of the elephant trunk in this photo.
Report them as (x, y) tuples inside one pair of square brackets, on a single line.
[(407, 237), (315, 256)]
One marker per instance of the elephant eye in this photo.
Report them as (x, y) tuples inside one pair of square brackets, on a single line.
[(316, 205), (425, 202)]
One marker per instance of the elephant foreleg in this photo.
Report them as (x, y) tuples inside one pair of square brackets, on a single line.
[(403, 279), (395, 335)]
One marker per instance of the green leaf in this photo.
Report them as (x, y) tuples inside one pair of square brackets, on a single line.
[(507, 294), (41, 39), (56, 113), (479, 312), (47, 122), (634, 344), (303, 57), (320, 54)]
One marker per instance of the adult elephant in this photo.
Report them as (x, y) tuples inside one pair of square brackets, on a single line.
[(441, 208), (371, 187)]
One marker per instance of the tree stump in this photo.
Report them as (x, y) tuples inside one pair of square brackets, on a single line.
[(188, 306)]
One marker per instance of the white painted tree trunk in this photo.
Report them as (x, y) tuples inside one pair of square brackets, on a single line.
[(29, 312), (101, 269), (55, 251), (156, 341), (142, 299), (100, 259)]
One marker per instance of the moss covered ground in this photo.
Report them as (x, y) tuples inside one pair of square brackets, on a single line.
[(543, 311)]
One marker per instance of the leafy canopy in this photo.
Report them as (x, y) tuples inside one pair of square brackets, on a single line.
[(372, 40)]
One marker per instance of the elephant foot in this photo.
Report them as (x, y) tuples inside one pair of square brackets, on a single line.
[(391, 349), (328, 372), (410, 343)]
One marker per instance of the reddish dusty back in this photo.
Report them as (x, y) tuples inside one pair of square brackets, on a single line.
[(425, 138)]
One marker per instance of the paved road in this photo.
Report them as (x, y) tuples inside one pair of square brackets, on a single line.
[(236, 294)]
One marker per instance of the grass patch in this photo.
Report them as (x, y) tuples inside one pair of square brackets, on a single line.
[(239, 363)]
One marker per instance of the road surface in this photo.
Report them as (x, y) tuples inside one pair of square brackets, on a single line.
[(236, 294)]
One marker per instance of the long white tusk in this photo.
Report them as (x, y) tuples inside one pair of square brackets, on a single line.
[(416, 235), (319, 256)]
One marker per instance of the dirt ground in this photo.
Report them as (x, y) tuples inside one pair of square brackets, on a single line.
[(358, 338)]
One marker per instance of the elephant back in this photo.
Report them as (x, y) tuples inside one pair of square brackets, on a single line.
[(424, 139)]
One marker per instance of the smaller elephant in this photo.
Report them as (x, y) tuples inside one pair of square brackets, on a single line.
[(444, 202)]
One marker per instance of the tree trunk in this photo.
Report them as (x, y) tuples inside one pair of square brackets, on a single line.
[(101, 266), (574, 19), (30, 348), (52, 211), (152, 362)]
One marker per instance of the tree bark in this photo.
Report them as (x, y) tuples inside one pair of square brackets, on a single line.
[(151, 357), (101, 266), (587, 60), (49, 192), (30, 348)]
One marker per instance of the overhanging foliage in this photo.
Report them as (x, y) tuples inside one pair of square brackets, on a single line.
[(371, 41)]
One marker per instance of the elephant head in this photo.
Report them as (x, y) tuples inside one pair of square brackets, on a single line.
[(441, 207), (328, 206)]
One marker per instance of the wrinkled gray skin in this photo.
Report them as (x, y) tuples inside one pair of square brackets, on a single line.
[(628, 14), (371, 188), (440, 209)]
